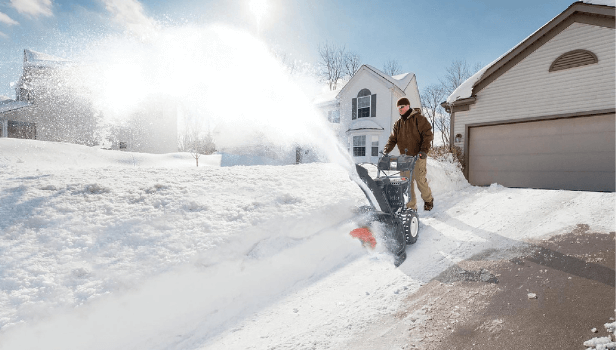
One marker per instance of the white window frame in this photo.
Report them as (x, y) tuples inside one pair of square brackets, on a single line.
[(369, 107), (359, 143)]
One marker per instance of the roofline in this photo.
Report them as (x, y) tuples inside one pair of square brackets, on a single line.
[(378, 129), (601, 15), (378, 73)]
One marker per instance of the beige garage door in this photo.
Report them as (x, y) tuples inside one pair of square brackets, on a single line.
[(571, 153)]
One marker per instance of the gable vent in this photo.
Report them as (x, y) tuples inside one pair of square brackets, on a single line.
[(572, 59)]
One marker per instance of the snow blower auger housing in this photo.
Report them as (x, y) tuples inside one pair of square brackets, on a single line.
[(389, 193)]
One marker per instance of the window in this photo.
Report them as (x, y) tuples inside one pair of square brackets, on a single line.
[(359, 146), (375, 146), (333, 116), (363, 107)]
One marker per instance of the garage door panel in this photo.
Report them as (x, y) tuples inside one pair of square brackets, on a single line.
[(582, 161), (573, 153)]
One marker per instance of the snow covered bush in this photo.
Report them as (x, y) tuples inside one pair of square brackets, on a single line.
[(447, 153)]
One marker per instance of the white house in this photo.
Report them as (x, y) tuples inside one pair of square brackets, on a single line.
[(542, 115), (364, 111)]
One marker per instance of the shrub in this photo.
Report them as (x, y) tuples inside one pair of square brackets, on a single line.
[(447, 153)]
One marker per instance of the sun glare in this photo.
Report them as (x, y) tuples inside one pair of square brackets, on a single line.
[(258, 9)]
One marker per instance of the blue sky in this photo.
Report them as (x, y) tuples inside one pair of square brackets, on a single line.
[(424, 36)]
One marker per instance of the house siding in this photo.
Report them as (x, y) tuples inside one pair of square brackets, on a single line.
[(529, 90)]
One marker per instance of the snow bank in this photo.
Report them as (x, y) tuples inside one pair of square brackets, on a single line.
[(444, 176), (32, 155)]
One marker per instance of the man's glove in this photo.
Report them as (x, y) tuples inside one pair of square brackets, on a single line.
[(422, 155)]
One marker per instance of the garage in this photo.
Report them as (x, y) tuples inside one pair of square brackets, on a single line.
[(574, 153), (542, 114)]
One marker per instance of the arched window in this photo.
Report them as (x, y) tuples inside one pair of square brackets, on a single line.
[(364, 106), (363, 93), (572, 59)]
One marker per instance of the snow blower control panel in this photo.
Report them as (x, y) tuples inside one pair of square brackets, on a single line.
[(398, 163)]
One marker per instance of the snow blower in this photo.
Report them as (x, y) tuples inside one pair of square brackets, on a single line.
[(389, 193)]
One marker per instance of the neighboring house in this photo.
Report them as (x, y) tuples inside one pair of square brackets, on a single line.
[(50, 106), (9, 126), (542, 115), (364, 111)]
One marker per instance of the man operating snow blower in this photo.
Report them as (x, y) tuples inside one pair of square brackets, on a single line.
[(393, 204), (413, 135)]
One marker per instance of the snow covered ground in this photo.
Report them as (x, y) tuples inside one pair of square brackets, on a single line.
[(104, 249)]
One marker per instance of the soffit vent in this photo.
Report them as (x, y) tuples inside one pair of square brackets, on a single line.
[(572, 59)]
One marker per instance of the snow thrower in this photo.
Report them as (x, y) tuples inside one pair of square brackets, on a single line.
[(389, 193)]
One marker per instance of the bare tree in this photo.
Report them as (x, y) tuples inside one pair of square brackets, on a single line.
[(352, 63), (392, 67), (332, 63), (204, 144), (431, 98), (457, 73)]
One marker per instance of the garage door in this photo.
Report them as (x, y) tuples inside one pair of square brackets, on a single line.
[(572, 153)]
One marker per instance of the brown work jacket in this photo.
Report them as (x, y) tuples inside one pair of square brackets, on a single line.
[(412, 133)]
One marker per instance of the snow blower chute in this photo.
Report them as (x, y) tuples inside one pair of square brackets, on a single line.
[(389, 193)]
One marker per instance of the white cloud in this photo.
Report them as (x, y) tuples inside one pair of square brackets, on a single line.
[(130, 14), (7, 20), (2, 35), (33, 8)]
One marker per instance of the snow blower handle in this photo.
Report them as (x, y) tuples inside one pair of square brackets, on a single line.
[(399, 163)]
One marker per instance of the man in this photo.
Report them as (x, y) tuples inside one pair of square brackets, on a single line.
[(413, 135)]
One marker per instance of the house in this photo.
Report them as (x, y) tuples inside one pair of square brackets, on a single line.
[(51, 106), (364, 111), (9, 127), (56, 111), (542, 115)]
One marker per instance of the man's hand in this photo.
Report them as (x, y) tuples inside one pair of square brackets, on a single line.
[(422, 155)]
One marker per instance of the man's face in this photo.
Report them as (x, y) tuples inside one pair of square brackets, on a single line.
[(403, 109)]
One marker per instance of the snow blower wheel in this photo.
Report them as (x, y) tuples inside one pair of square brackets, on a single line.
[(411, 227)]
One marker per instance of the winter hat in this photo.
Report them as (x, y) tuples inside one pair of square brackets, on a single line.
[(403, 102)]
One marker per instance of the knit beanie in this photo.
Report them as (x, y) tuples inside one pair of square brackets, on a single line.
[(403, 102)]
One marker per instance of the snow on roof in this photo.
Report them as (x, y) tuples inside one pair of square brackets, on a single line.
[(34, 58), (363, 124), (4, 98), (601, 2), (11, 105), (328, 96), (401, 81), (465, 90)]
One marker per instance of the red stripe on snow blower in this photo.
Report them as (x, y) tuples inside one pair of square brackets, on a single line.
[(365, 236)]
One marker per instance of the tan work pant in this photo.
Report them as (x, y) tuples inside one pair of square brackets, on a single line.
[(419, 176)]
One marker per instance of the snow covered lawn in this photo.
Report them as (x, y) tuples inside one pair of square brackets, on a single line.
[(104, 249)]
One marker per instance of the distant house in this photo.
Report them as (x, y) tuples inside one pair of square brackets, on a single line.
[(10, 126), (50, 107), (364, 111), (542, 115)]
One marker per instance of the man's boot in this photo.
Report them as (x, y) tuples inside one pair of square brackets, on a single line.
[(429, 205)]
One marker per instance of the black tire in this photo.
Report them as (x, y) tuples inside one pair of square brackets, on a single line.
[(410, 226)]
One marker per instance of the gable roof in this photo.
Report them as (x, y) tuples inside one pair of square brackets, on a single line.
[(39, 59), (602, 10), (400, 82)]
